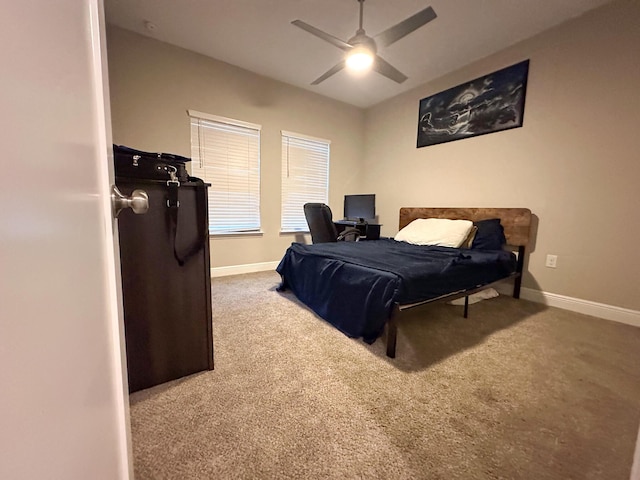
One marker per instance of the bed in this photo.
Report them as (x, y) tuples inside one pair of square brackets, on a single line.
[(362, 288)]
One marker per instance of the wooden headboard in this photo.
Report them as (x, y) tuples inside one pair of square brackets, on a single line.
[(516, 221)]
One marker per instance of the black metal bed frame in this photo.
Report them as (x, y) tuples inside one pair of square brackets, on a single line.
[(392, 323)]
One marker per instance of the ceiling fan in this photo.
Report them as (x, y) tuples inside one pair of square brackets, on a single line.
[(361, 50)]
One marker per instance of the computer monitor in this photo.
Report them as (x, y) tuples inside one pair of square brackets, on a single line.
[(360, 207)]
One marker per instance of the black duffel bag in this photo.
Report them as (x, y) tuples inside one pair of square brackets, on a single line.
[(133, 163)]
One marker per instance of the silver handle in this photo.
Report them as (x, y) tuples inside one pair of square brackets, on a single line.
[(138, 201)]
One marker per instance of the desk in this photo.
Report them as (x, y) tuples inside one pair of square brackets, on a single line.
[(368, 231)]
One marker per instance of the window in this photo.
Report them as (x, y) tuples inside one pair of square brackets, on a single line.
[(226, 154), (305, 177)]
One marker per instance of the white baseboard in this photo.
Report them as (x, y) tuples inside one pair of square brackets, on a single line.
[(601, 310), (240, 269)]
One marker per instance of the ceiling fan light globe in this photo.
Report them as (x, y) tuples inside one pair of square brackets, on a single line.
[(359, 59)]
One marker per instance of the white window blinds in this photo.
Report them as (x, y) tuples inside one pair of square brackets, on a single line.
[(305, 177), (226, 154)]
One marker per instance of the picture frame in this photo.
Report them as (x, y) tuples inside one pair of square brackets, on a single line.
[(488, 104)]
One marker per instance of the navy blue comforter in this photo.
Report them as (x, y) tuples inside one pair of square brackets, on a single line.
[(354, 285)]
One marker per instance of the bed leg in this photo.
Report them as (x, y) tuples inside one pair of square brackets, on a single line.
[(520, 267), (392, 332), (466, 306), (516, 287)]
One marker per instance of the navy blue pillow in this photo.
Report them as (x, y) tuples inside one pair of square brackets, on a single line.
[(490, 235)]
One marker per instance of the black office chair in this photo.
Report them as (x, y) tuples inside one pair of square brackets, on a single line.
[(322, 228)]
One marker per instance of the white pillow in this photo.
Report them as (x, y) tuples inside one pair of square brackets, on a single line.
[(435, 231)]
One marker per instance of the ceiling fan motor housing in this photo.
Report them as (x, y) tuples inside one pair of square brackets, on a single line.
[(362, 39)]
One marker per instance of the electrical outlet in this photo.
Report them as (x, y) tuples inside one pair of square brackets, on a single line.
[(552, 261)]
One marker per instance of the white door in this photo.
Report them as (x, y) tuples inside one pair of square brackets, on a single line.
[(63, 396)]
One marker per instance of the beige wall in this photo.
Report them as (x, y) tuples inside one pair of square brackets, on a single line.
[(153, 84), (575, 163)]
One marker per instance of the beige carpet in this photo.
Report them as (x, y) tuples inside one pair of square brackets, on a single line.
[(516, 391)]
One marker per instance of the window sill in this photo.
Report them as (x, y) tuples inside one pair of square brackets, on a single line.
[(294, 232), (236, 234)]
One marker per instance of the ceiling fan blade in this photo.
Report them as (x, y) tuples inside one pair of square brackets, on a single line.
[(323, 35), (335, 69), (405, 27), (386, 69)]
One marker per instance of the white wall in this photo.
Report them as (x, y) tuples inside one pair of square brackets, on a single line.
[(62, 402), (574, 163)]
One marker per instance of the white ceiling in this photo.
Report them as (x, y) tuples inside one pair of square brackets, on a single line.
[(257, 35)]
